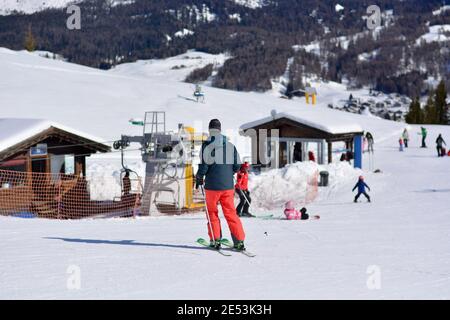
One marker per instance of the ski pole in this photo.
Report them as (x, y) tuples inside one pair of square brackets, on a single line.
[(245, 197), (207, 213)]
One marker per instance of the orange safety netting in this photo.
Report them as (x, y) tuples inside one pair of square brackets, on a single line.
[(62, 196)]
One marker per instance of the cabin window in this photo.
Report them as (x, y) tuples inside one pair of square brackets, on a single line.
[(64, 164), (14, 165)]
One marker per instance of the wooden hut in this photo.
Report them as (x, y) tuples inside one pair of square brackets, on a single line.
[(33, 145), (43, 172), (284, 138)]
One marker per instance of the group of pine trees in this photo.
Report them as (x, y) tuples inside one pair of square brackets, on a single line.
[(435, 111)]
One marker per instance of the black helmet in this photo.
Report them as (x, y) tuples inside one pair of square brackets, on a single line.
[(215, 124)]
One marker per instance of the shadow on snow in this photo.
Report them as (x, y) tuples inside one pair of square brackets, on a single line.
[(126, 243), (432, 190)]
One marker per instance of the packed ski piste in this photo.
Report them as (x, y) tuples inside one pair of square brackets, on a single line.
[(278, 199)]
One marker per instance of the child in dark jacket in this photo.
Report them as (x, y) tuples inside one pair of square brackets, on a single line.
[(361, 185)]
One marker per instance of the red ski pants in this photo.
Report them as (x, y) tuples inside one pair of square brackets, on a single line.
[(226, 200)]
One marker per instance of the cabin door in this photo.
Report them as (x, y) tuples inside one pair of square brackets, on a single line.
[(283, 154), (39, 181), (39, 165)]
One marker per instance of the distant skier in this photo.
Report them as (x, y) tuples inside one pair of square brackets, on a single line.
[(242, 191), (423, 133), (440, 142), (361, 185), (370, 141), (198, 93), (405, 136), (219, 161), (311, 156), (292, 214), (400, 142)]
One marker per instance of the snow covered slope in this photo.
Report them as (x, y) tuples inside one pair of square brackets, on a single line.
[(402, 235), (102, 102), (436, 33), (171, 69), (31, 6), (8, 7)]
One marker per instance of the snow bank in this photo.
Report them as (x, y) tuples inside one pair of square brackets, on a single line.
[(104, 182), (272, 189), (104, 177)]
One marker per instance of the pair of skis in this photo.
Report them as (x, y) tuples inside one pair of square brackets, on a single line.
[(226, 243)]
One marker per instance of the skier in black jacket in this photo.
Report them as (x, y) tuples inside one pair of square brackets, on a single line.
[(439, 145), (219, 161)]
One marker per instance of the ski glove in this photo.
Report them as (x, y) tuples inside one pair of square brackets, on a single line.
[(198, 182)]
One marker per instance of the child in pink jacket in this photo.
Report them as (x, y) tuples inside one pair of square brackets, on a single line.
[(292, 214)]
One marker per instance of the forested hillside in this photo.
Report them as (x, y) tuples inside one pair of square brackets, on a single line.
[(325, 39)]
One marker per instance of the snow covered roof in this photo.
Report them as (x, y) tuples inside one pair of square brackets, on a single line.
[(321, 121), (15, 130)]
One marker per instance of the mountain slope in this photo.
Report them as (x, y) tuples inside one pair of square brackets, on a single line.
[(402, 236), (259, 35), (77, 95), (31, 6)]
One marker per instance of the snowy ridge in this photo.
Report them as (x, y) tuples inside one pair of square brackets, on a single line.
[(31, 6), (441, 10), (171, 69), (8, 7), (436, 33)]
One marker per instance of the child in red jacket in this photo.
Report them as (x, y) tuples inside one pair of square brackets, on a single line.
[(241, 188)]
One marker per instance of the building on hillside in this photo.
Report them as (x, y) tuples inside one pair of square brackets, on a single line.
[(34, 145), (299, 135)]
